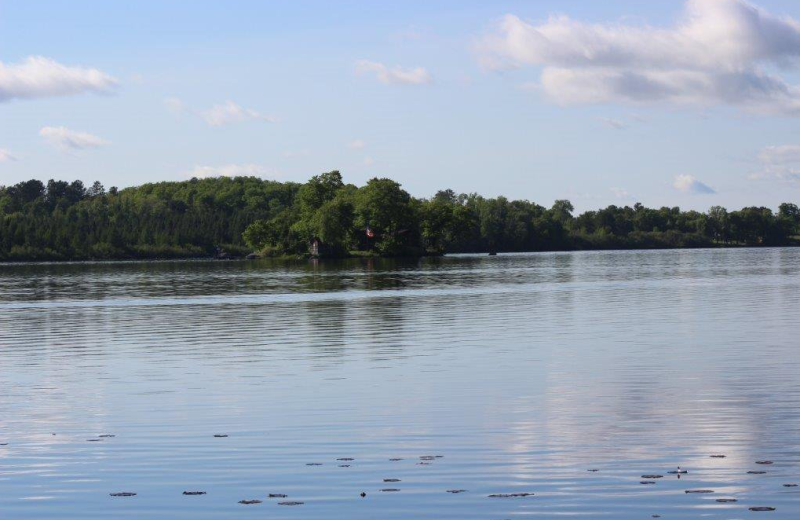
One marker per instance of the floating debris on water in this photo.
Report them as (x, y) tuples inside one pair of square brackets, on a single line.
[(511, 495), (220, 435), (423, 463), (718, 456), (647, 479), (104, 436), (93, 440)]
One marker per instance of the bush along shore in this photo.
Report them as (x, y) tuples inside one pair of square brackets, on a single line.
[(235, 217)]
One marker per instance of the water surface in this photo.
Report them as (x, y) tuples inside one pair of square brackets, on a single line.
[(522, 372)]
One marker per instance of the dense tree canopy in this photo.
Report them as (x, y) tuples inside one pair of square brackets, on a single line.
[(168, 219), (66, 220)]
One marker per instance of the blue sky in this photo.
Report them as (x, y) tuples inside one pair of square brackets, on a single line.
[(434, 94)]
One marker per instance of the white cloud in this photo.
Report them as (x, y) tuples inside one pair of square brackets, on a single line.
[(175, 105), (395, 75), (232, 170), (409, 34), (717, 53), (689, 184), (293, 154), (620, 193), (781, 154), (218, 115), (780, 173), (356, 144), (230, 112), (781, 162), (40, 77), (6, 156), (616, 124), (69, 140)]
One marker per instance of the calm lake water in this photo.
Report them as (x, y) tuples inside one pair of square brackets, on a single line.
[(523, 372)]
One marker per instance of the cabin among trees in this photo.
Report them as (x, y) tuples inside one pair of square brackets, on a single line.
[(318, 249), (314, 247)]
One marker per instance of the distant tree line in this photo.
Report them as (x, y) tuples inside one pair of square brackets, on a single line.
[(70, 221)]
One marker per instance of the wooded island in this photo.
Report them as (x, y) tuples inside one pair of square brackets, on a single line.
[(233, 217)]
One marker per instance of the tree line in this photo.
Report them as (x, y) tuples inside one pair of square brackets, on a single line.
[(69, 221)]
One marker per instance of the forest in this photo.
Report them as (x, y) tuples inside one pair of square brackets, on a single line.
[(231, 217)]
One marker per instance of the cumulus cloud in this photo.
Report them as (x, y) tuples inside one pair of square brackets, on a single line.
[(293, 154), (229, 112), (356, 144), (621, 193), (6, 156), (781, 162), (689, 184), (70, 140), (616, 124), (175, 105), (781, 154), (219, 115), (231, 170), (718, 53), (394, 75), (410, 34), (40, 77)]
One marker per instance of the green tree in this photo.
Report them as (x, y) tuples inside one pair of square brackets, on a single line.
[(317, 191), (436, 222), (789, 217), (384, 207), (719, 223), (333, 224)]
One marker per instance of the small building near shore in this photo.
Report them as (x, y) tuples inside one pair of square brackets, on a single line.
[(316, 247)]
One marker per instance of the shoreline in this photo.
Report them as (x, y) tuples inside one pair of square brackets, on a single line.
[(298, 258)]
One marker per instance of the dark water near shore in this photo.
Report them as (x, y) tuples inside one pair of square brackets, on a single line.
[(522, 371)]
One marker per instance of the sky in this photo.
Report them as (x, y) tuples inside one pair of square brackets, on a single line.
[(669, 103)]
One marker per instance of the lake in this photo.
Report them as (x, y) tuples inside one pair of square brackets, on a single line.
[(572, 376)]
